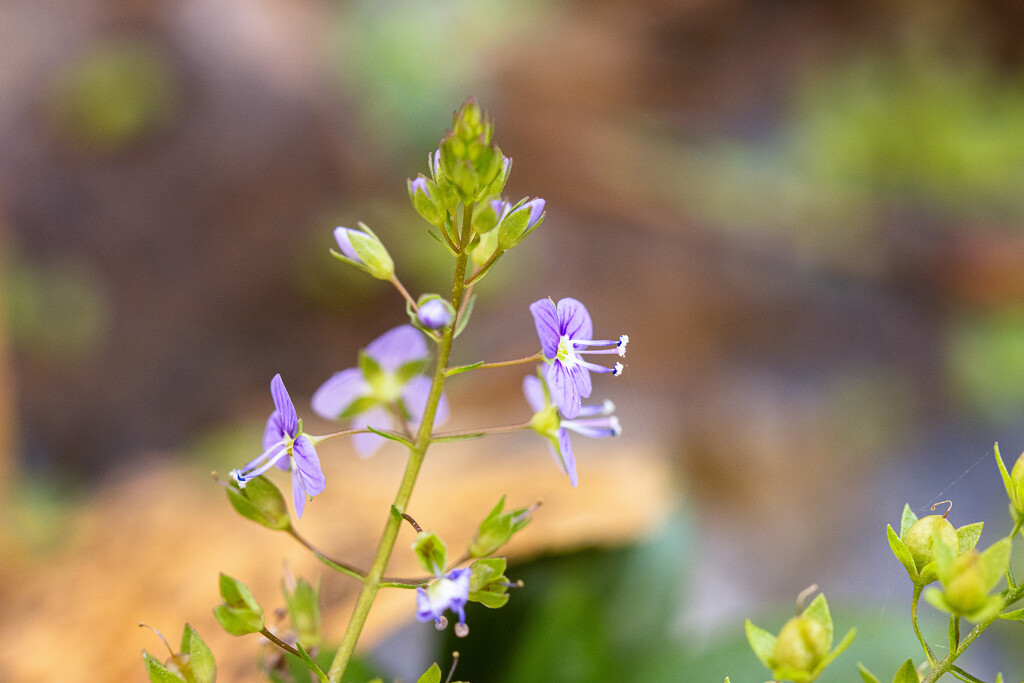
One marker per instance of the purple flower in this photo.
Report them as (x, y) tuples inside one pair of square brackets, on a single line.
[(387, 381), (448, 592), (565, 331), (595, 422), (283, 438)]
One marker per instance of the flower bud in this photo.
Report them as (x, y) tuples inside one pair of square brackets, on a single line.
[(803, 642), (498, 184), (471, 122), (966, 589), (497, 528), (520, 222), (487, 215), (365, 251), (435, 313), (427, 200), (1017, 486), (921, 537), (431, 552)]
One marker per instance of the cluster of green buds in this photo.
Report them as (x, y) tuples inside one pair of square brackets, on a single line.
[(803, 647)]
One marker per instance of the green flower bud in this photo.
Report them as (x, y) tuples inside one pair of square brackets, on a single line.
[(520, 222), (261, 502), (364, 250), (920, 539), (966, 589), (488, 584), (1017, 486), (470, 122), (802, 644), (240, 614), (431, 551), (427, 199)]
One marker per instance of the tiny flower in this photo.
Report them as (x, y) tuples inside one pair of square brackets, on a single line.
[(595, 422), (516, 224), (283, 438), (448, 592), (435, 314), (564, 332), (386, 381), (364, 250)]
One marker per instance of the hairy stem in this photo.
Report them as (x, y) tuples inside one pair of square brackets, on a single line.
[(375, 577)]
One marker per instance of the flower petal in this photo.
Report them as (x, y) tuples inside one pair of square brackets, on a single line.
[(286, 409), (415, 396), (564, 392), (581, 377), (345, 244), (368, 444), (568, 458), (545, 319), (574, 320), (273, 433), (307, 465), (533, 390), (339, 392), (398, 346), (298, 494)]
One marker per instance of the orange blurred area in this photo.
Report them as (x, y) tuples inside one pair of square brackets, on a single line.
[(806, 215)]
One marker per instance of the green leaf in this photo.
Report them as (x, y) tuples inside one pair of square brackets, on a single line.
[(158, 673), (462, 368), (1003, 473), (261, 502), (204, 668), (901, 552), (309, 661), (391, 436), (968, 535), (907, 519), (839, 649), (1015, 615), (994, 561), (240, 614), (866, 675), (818, 610), (906, 673), (761, 642), (463, 320), (303, 603), (431, 675)]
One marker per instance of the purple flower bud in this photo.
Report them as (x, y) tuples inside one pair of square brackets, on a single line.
[(435, 314)]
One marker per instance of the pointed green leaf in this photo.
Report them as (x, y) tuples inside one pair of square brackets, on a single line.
[(391, 436), (310, 662), (818, 610), (463, 320), (951, 636), (1003, 473), (901, 552), (158, 673), (839, 649), (968, 535), (462, 368), (1015, 615), (761, 642), (204, 668), (866, 675), (431, 675), (906, 674), (995, 560), (907, 519)]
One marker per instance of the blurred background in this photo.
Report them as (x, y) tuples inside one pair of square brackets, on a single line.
[(806, 215)]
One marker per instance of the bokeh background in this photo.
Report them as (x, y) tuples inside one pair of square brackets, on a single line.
[(807, 215)]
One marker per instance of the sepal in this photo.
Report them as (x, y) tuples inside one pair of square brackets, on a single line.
[(497, 528), (488, 584), (519, 222), (261, 501), (427, 199), (431, 552), (364, 250), (158, 673), (240, 614)]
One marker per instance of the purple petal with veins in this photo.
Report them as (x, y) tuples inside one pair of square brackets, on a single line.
[(339, 392), (398, 346), (545, 318), (289, 419)]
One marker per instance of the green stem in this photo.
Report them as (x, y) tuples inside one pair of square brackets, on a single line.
[(288, 648), (374, 578), (403, 291), (342, 567), (483, 431), (917, 628), (497, 364)]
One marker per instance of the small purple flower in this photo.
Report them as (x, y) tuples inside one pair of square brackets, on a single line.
[(435, 314), (387, 381), (595, 422), (283, 437), (564, 331), (448, 592)]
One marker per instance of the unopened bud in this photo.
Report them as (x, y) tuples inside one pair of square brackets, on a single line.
[(921, 537), (802, 643)]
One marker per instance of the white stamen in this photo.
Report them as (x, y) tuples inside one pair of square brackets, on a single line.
[(461, 630), (623, 340), (617, 370), (239, 479), (607, 407)]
